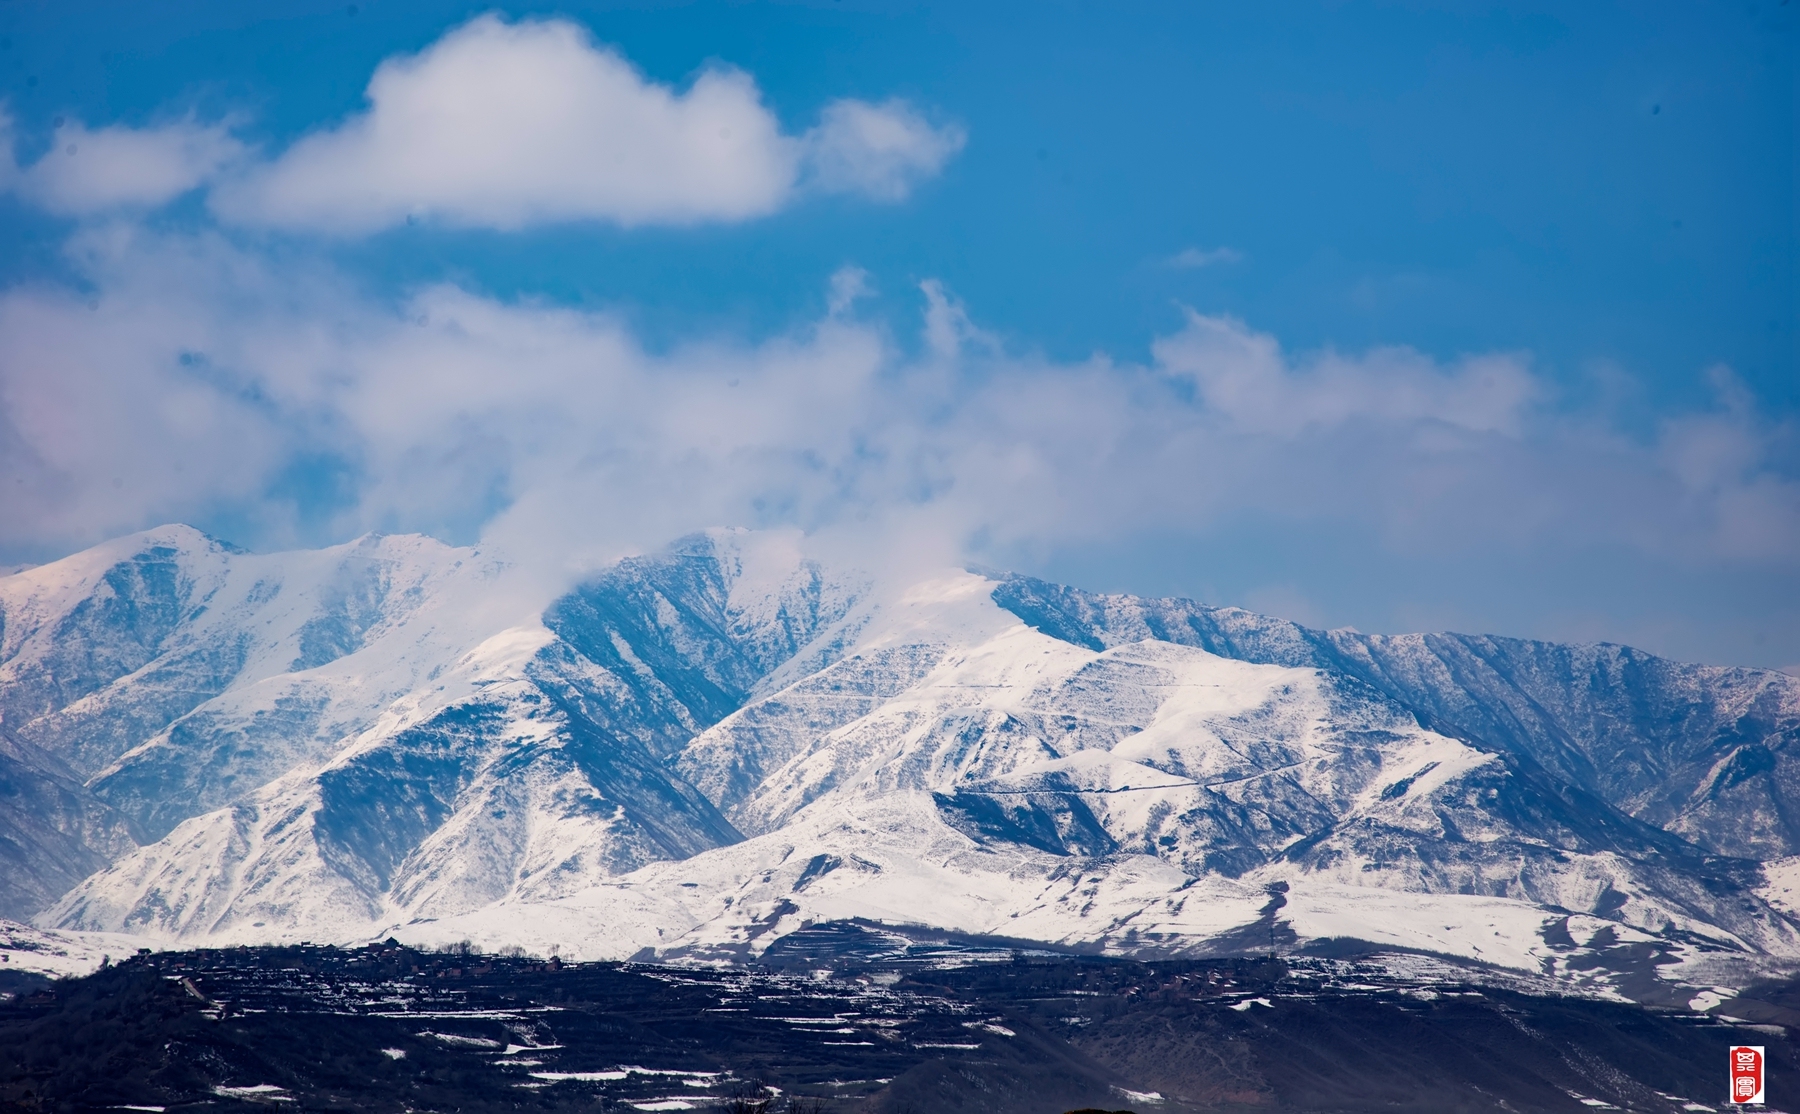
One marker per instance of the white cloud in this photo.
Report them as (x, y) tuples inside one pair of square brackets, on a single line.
[(879, 150), (848, 285), (500, 125), (94, 171), (948, 330), (104, 409), (1243, 374), (203, 380), (1720, 460), (1189, 258)]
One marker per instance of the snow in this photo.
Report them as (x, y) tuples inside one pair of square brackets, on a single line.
[(1707, 999), (267, 1092), (35, 598), (897, 858), (459, 1040), (1781, 885), (1493, 930), (62, 954)]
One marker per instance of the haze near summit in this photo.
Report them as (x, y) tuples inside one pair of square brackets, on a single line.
[(1457, 316)]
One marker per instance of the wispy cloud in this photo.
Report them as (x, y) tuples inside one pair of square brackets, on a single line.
[(880, 150), (91, 171), (1244, 375), (1189, 258), (848, 285)]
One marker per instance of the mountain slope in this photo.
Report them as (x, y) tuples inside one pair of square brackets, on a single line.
[(53, 831), (74, 628), (174, 674)]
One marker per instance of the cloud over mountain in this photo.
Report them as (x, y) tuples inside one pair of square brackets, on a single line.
[(204, 381)]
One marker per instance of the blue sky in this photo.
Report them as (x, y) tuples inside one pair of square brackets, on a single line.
[(1399, 315)]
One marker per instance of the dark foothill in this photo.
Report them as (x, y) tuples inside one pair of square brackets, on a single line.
[(847, 1017)]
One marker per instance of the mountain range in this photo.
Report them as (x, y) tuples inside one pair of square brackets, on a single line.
[(693, 753)]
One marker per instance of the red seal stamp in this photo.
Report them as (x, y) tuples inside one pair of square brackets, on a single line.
[(1747, 1074)]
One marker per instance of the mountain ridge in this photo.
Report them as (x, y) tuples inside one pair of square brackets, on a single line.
[(696, 751)]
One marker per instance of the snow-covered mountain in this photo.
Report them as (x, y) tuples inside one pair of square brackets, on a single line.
[(1707, 752), (697, 751)]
